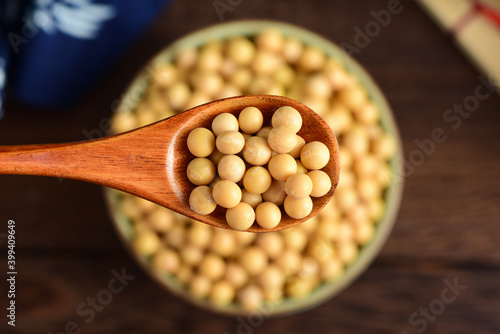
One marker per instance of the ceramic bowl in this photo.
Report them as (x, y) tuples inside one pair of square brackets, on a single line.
[(392, 195)]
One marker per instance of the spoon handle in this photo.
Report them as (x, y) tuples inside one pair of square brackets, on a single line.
[(82, 160), (121, 161), (139, 162)]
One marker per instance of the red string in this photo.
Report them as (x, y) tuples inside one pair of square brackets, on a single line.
[(478, 8), (487, 11)]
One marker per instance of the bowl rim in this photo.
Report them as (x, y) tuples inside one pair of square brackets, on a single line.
[(393, 193)]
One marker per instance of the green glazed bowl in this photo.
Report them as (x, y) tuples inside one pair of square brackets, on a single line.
[(392, 195)]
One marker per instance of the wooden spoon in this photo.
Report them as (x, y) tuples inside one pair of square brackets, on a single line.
[(151, 162)]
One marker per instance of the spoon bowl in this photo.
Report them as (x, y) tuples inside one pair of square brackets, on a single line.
[(151, 162)]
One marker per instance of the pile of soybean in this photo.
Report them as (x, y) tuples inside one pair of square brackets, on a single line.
[(246, 270), (252, 170)]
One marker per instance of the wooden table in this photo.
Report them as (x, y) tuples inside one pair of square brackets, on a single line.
[(446, 233)]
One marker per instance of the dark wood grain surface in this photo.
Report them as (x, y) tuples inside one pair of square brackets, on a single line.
[(446, 233)]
